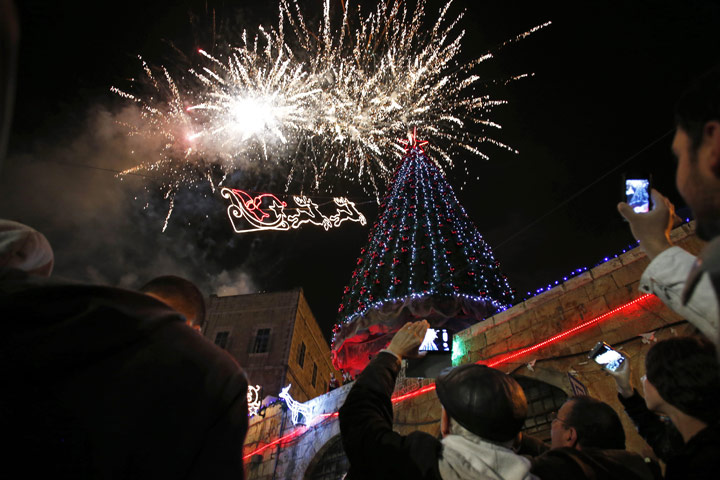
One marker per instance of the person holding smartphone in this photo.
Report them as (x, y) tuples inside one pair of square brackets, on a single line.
[(687, 284), (682, 383)]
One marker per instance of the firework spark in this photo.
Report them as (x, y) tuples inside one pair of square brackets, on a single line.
[(325, 104)]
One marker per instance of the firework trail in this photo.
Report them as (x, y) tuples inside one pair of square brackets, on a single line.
[(325, 104)]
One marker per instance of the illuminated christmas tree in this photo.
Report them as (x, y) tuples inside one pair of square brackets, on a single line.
[(424, 259)]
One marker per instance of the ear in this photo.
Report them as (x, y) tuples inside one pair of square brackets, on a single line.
[(444, 424), (711, 144), (572, 438)]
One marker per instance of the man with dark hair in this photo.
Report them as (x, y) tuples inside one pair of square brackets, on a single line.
[(588, 442), (179, 294), (483, 411), (697, 148), (682, 382), (586, 422)]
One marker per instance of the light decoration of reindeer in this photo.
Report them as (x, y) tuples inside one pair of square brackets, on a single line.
[(297, 408), (254, 212)]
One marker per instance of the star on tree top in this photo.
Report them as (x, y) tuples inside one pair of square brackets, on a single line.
[(412, 141)]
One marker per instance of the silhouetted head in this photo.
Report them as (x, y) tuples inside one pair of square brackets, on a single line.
[(485, 401), (24, 248), (585, 422), (179, 294), (684, 373)]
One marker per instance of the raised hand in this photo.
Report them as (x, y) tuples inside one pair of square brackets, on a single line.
[(406, 341), (652, 229)]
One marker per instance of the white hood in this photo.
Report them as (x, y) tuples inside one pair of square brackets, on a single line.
[(477, 459)]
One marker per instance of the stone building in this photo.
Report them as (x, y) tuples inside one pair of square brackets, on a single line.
[(543, 342), (275, 338)]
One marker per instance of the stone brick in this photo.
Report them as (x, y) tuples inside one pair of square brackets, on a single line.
[(523, 339), (666, 314), (600, 287), (606, 268), (630, 273), (647, 323), (477, 342), (621, 296), (498, 332), (522, 322), (616, 321), (548, 328), (594, 308), (511, 312), (549, 311), (632, 255), (678, 234), (577, 282), (572, 318), (573, 299), (497, 348), (544, 297), (476, 328), (692, 244), (589, 337)]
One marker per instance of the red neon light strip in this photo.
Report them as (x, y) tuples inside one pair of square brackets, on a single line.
[(499, 361), (295, 433), (564, 334), (414, 393)]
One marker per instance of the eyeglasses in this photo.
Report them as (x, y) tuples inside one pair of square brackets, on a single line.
[(554, 416)]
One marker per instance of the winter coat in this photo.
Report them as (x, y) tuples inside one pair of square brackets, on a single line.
[(661, 435), (592, 464), (101, 382), (698, 459), (665, 277)]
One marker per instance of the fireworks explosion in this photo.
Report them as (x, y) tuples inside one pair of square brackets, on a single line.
[(325, 105)]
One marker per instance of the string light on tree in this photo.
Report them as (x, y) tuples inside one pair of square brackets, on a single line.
[(424, 259)]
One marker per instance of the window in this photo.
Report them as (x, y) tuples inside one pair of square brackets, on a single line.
[(221, 339), (314, 377), (262, 340), (301, 355), (543, 399)]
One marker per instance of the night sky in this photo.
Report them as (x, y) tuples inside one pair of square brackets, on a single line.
[(606, 76)]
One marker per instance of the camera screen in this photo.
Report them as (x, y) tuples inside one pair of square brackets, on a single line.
[(609, 358), (436, 340), (637, 192)]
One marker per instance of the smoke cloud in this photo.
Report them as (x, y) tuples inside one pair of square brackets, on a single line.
[(106, 228)]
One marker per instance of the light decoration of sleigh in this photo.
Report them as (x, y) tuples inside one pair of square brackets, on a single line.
[(250, 212)]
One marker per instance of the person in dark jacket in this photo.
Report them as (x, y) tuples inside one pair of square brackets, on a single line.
[(588, 442), (483, 412), (101, 382), (682, 382)]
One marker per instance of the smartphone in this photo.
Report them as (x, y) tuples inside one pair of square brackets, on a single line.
[(637, 192), (608, 357)]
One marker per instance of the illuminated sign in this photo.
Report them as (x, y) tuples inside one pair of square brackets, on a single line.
[(264, 211)]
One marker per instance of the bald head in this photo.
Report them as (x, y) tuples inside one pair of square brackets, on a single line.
[(179, 294)]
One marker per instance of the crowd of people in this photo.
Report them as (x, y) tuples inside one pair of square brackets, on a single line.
[(103, 382)]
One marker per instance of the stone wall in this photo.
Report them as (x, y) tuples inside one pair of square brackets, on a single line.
[(241, 317), (578, 300), (317, 353)]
